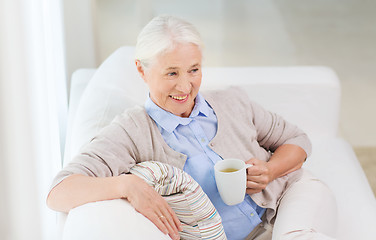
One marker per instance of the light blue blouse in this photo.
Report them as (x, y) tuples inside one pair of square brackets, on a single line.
[(191, 136)]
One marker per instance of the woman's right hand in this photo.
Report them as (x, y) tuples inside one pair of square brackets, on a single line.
[(152, 205)]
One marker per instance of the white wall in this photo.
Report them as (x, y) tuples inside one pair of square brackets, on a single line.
[(339, 34), (80, 44)]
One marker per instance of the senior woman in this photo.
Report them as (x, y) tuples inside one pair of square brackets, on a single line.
[(191, 130)]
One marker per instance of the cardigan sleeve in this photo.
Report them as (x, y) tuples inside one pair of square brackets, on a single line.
[(132, 137), (249, 128), (111, 153), (273, 130)]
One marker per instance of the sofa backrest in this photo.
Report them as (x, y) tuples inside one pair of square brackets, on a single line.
[(306, 96)]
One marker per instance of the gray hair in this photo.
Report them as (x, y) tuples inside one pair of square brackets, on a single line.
[(162, 34)]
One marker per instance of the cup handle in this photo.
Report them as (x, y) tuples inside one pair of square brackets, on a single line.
[(248, 166)]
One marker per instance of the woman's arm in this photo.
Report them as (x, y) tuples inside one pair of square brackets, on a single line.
[(77, 190), (286, 159), (289, 144)]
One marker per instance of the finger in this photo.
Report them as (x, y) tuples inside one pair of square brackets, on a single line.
[(251, 161), (252, 185), (254, 161), (154, 218), (169, 221), (252, 191), (171, 232), (171, 216), (175, 218), (255, 185), (166, 215), (255, 171), (261, 179)]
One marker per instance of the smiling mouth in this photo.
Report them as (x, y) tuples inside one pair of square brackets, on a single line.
[(179, 98)]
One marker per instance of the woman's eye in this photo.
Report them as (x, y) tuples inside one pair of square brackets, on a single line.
[(171, 74), (194, 70)]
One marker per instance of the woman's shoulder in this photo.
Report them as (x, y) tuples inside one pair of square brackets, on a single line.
[(228, 91), (131, 118), (231, 97)]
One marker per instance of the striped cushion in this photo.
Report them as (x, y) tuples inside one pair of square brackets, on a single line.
[(199, 218)]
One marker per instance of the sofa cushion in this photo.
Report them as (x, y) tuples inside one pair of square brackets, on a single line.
[(114, 87)]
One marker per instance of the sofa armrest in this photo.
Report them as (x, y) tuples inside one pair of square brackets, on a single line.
[(80, 79), (334, 162), (112, 219)]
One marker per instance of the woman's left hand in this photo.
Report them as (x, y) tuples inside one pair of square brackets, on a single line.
[(258, 176)]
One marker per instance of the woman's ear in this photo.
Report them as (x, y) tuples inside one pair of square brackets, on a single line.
[(140, 69)]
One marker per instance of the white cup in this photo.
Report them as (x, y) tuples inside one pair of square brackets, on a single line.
[(231, 179)]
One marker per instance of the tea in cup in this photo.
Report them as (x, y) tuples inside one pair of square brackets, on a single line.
[(231, 180)]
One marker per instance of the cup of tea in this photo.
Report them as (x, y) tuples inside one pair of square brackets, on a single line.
[(231, 180)]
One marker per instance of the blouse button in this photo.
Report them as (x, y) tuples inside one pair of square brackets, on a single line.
[(212, 144)]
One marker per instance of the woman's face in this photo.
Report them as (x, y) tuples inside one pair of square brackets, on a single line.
[(174, 79)]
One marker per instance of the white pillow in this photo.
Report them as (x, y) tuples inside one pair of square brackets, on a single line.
[(115, 86)]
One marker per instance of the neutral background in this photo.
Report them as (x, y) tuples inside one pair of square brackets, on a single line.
[(340, 34)]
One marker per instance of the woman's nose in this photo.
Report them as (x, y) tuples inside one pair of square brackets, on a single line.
[(184, 85)]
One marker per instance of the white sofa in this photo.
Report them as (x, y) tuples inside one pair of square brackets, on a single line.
[(306, 96)]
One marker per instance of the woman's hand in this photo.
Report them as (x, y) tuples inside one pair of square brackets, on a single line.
[(286, 159), (258, 176), (152, 205)]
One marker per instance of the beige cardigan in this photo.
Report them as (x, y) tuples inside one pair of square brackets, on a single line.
[(245, 130)]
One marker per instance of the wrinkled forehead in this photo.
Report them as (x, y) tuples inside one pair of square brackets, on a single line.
[(184, 55)]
